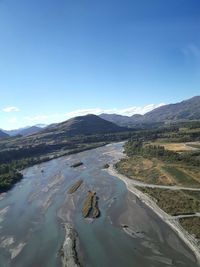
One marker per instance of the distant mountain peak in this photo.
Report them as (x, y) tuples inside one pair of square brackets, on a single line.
[(3, 134), (25, 131), (84, 125), (185, 110)]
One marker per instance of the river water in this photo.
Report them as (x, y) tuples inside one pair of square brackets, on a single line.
[(32, 214)]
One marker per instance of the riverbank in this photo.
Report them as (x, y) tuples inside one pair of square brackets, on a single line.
[(9, 179), (189, 240)]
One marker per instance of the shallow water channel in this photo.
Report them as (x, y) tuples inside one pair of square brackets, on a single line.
[(33, 212)]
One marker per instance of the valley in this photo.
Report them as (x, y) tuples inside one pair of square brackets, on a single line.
[(73, 136), (100, 133), (39, 231), (90, 181)]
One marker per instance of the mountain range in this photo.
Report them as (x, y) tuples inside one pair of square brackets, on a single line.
[(82, 125), (3, 134), (112, 123), (82, 129), (25, 131), (182, 111)]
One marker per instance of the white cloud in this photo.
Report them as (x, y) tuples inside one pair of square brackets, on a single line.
[(10, 109), (126, 112), (138, 110), (52, 118)]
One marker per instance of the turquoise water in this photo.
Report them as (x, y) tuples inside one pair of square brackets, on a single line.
[(31, 219)]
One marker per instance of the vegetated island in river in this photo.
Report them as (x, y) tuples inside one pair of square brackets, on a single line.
[(77, 164), (90, 206), (75, 186)]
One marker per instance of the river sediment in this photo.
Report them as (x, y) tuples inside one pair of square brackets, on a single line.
[(68, 252), (40, 204)]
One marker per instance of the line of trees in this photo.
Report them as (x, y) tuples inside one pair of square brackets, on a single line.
[(10, 172), (156, 151)]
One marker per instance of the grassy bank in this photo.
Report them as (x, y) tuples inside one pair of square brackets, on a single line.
[(174, 202), (155, 171), (164, 157), (178, 202), (191, 225)]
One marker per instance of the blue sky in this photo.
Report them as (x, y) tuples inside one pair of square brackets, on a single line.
[(60, 58)]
